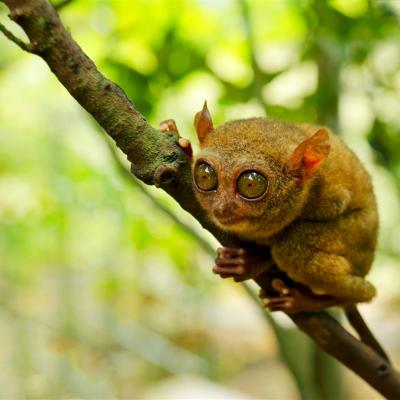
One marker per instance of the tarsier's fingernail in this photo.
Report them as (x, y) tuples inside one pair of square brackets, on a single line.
[(278, 285), (184, 143), (167, 126), (265, 302)]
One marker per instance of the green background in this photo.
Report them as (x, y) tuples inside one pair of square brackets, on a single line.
[(102, 294)]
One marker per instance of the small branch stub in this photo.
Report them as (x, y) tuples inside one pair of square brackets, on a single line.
[(164, 175), (13, 38)]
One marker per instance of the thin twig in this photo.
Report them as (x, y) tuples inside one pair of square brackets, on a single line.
[(62, 4), (13, 38)]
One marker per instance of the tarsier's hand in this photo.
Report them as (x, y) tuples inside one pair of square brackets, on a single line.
[(241, 264), (169, 125)]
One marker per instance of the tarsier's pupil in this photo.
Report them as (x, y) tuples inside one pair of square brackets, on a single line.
[(251, 184), (205, 177)]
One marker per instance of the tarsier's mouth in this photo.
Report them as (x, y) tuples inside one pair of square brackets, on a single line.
[(230, 220)]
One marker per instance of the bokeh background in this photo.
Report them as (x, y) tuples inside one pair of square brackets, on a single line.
[(106, 288)]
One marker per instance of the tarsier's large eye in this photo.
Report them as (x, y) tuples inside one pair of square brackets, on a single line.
[(251, 184), (205, 177)]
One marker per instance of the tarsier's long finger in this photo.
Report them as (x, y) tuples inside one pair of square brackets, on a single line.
[(286, 307), (231, 270), (236, 278), (168, 125), (230, 252), (229, 261), (280, 287), (283, 303), (186, 146)]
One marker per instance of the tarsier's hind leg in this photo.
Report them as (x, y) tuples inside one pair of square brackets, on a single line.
[(360, 289), (332, 274), (325, 273), (330, 257)]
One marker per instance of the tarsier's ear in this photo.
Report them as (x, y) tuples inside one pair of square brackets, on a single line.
[(309, 155), (203, 123)]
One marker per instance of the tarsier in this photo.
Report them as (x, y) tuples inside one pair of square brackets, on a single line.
[(299, 194)]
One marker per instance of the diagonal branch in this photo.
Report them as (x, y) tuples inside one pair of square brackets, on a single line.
[(157, 159)]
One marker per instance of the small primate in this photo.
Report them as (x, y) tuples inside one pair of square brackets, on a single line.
[(299, 194)]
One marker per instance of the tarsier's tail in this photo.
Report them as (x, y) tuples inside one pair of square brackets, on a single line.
[(366, 336)]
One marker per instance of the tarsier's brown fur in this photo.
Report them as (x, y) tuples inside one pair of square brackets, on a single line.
[(316, 220), (321, 230)]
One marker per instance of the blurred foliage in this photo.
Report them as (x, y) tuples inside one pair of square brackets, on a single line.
[(102, 294)]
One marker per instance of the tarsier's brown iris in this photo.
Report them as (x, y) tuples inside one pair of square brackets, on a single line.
[(251, 184), (205, 177)]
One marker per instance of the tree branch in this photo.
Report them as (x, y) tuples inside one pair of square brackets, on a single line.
[(157, 159)]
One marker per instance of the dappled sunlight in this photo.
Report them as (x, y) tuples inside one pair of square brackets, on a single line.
[(102, 294), (292, 86)]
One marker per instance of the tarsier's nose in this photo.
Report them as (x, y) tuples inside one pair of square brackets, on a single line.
[(224, 210), (221, 211)]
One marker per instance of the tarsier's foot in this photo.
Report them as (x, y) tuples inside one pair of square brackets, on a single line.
[(297, 299), (239, 264), (169, 125)]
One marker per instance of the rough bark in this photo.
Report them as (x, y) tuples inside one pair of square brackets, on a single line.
[(157, 159)]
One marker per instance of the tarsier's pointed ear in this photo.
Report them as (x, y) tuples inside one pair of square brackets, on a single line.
[(203, 123), (309, 155)]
